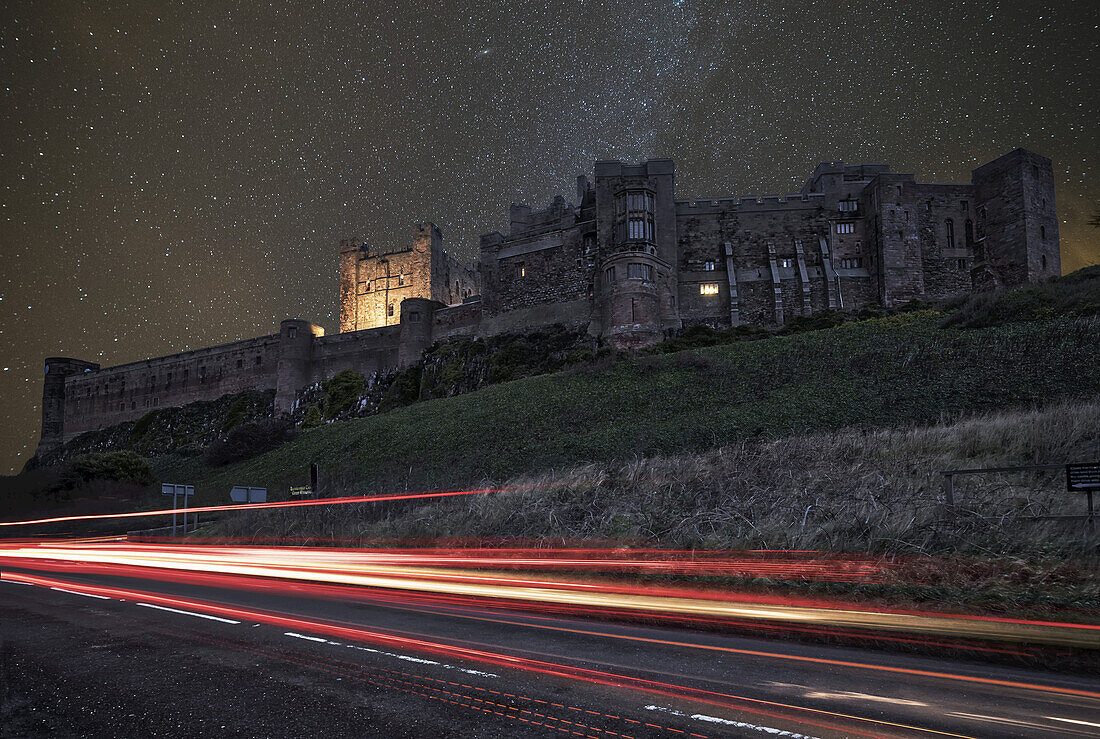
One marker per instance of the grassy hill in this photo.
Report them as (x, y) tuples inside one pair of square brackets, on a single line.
[(899, 370)]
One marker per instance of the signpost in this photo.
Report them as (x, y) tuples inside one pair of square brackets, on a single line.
[(242, 494), (175, 491), (245, 494), (1084, 477)]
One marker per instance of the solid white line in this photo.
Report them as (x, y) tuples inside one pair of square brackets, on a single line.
[(303, 636), (189, 613), (74, 592), (727, 722), (17, 582), (1072, 721)]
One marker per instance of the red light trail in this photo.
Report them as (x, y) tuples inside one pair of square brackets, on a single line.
[(803, 715), (258, 506), (381, 570)]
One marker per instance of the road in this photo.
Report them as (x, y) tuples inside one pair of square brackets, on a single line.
[(105, 654)]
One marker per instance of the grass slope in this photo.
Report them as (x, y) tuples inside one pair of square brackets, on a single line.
[(898, 370)]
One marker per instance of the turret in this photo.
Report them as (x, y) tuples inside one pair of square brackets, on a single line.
[(636, 233), (295, 353), (417, 317), (53, 399)]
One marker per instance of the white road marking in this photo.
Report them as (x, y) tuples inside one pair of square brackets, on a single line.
[(726, 722), (74, 592), (405, 657), (1073, 721), (847, 695), (189, 613), (999, 720), (17, 582)]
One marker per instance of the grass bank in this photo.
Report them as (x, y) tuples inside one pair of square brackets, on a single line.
[(901, 370)]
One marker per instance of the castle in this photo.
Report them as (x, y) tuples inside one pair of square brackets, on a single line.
[(629, 263)]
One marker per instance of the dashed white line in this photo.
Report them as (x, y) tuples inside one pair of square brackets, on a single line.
[(77, 592), (1073, 721), (405, 657), (189, 613), (998, 720), (726, 722)]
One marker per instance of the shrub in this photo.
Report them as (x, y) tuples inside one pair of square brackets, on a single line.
[(141, 426), (234, 417), (342, 392), (405, 389), (313, 417), (119, 466), (250, 439)]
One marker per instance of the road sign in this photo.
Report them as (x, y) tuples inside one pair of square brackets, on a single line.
[(243, 494), (173, 490), (301, 490), (1083, 476)]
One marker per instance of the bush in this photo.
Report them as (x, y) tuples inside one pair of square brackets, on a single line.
[(313, 417), (234, 417), (342, 392), (119, 466), (249, 440), (141, 426)]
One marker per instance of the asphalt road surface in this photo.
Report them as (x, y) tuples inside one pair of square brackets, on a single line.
[(74, 664)]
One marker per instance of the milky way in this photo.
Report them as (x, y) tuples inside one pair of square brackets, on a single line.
[(180, 175)]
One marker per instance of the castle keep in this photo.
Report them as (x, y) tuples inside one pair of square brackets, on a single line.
[(627, 262)]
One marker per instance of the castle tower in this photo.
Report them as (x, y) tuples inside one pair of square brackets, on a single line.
[(1017, 227), (373, 282), (295, 360), (53, 399), (637, 270)]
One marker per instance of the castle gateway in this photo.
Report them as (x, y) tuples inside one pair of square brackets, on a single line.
[(629, 263)]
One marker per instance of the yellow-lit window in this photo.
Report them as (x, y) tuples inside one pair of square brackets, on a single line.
[(708, 288)]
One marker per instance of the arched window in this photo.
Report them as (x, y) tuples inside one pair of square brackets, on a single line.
[(949, 227), (1042, 232)]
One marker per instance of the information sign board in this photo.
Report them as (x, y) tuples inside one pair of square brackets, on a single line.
[(1083, 476)]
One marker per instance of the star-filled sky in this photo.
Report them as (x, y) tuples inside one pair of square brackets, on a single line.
[(177, 175)]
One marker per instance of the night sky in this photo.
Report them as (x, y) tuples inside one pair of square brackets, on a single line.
[(180, 175)]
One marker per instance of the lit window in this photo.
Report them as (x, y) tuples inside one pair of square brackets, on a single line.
[(786, 262), (708, 288), (364, 287), (521, 269), (849, 205), (859, 246), (845, 228), (708, 266), (400, 280)]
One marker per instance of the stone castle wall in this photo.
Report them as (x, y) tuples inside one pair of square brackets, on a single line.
[(854, 235)]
